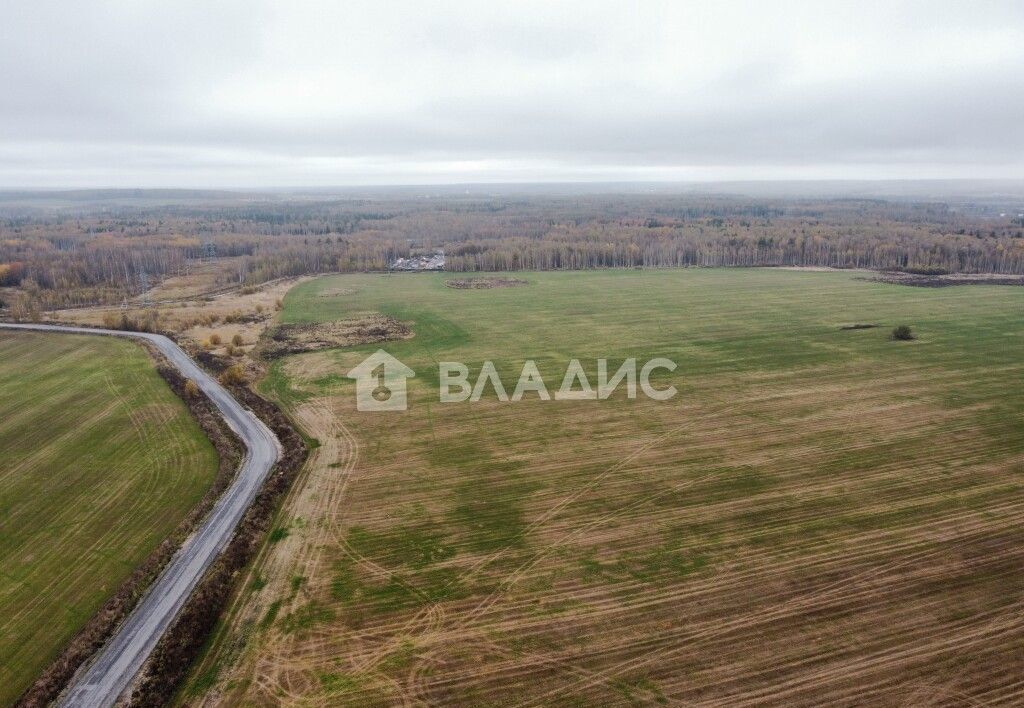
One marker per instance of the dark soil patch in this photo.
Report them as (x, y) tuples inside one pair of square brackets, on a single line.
[(859, 326), (945, 281)]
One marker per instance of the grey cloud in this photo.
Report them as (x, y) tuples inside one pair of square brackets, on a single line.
[(157, 93)]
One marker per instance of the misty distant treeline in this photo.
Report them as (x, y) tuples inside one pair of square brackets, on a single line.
[(664, 248), (91, 257)]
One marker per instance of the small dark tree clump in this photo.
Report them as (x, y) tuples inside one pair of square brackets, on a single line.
[(903, 333)]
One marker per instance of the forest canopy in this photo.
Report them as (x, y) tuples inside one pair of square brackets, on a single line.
[(92, 255)]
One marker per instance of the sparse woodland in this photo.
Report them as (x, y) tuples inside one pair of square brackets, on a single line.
[(52, 259)]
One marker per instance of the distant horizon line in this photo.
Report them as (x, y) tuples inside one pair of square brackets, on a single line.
[(10, 188)]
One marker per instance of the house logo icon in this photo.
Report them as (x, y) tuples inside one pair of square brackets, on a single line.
[(380, 383)]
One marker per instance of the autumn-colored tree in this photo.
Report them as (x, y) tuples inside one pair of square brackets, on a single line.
[(233, 376)]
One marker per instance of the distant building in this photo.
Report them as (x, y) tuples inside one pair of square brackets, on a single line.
[(418, 263)]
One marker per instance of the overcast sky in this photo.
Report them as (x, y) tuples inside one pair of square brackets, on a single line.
[(251, 93)]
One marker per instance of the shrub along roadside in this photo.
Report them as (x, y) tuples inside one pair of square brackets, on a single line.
[(98, 629)]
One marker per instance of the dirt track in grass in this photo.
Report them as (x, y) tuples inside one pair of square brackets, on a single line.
[(821, 516)]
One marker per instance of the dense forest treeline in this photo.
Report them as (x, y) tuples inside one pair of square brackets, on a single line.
[(62, 258)]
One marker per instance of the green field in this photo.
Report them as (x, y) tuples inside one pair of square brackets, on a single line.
[(99, 461), (821, 515)]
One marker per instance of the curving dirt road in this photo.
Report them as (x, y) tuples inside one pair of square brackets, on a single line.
[(116, 664)]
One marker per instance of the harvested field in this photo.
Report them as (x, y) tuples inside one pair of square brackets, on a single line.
[(100, 462), (818, 517), (484, 283), (298, 338)]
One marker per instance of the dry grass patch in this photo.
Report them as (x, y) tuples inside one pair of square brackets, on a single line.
[(337, 292), (484, 283), (298, 338), (247, 312)]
